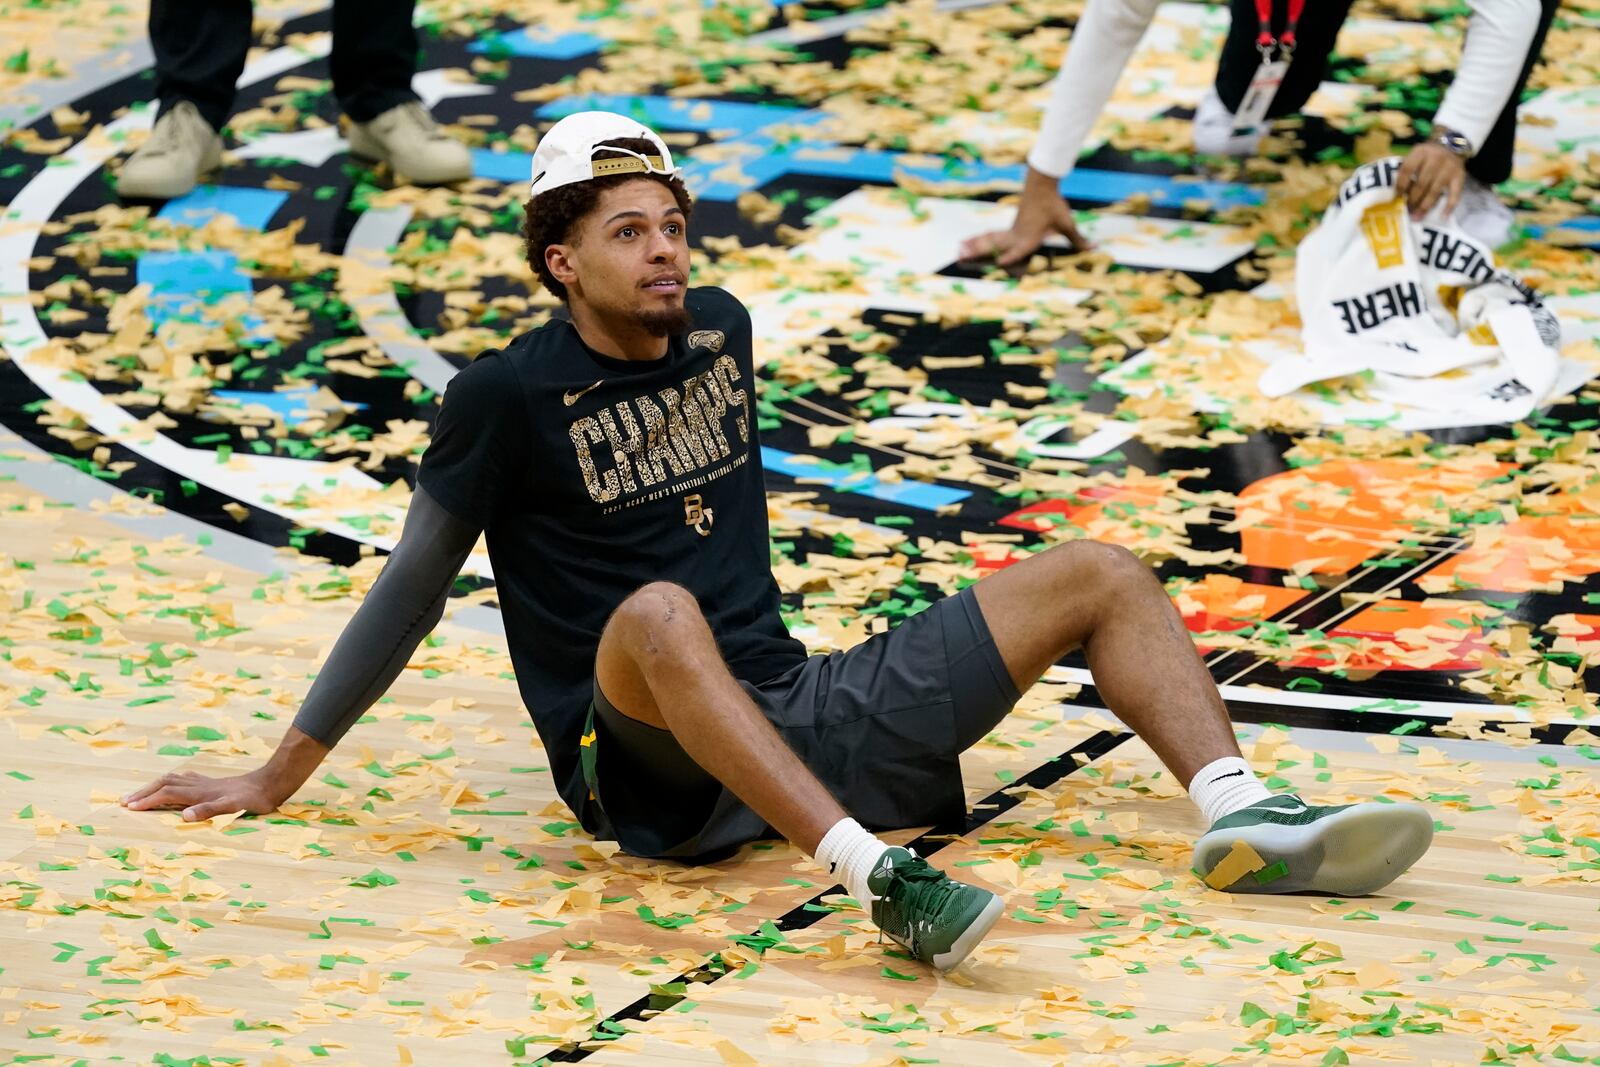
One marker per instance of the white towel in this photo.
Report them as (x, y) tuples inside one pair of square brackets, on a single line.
[(1420, 305)]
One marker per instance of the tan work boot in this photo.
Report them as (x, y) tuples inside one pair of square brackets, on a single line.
[(180, 148), (407, 138)]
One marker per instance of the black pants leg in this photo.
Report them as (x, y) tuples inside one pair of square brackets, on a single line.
[(1315, 37), (374, 56), (200, 48), (1492, 164)]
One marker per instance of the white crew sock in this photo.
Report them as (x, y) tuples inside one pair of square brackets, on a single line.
[(1224, 786), (848, 852)]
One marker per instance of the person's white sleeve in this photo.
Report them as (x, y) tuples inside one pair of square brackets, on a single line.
[(1099, 48), (1499, 35)]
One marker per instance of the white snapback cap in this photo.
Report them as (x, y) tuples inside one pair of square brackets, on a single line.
[(566, 152)]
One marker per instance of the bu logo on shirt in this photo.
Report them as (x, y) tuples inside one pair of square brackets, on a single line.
[(697, 516)]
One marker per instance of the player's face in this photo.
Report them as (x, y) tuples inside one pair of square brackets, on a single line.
[(631, 256)]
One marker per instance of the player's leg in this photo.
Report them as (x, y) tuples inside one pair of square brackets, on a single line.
[(199, 48), (1102, 599), (658, 664)]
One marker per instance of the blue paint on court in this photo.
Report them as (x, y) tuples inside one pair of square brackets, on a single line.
[(680, 113), (538, 43), (505, 167), (1586, 225), (924, 495), (764, 148), (187, 286), (294, 405), (251, 208)]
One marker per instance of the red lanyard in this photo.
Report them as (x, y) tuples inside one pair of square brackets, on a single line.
[(1264, 38)]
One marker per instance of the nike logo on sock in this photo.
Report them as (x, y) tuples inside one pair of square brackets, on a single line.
[(1220, 777)]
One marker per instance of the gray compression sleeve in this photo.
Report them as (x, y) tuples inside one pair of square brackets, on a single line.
[(403, 606)]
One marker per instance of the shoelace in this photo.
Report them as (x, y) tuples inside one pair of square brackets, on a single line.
[(167, 135), (914, 886), (419, 116)]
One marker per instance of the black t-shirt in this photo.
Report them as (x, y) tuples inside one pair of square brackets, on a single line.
[(594, 476)]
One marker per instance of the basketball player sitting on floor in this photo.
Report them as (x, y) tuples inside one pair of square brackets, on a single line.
[(612, 457)]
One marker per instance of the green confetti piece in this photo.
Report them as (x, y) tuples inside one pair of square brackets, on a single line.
[(1271, 874), (889, 972), (374, 878)]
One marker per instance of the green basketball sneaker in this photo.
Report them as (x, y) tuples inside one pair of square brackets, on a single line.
[(935, 918), (1283, 845)]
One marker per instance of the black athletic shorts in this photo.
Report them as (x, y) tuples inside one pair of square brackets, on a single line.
[(882, 725)]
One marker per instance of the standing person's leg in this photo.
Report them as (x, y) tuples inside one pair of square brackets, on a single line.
[(1237, 62), (200, 48), (1491, 165), (658, 665), (374, 57), (1315, 35), (1102, 599)]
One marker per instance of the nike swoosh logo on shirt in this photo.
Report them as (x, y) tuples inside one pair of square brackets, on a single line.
[(570, 398)]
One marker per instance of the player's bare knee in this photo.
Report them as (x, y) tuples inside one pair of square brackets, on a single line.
[(656, 616), (1109, 573)]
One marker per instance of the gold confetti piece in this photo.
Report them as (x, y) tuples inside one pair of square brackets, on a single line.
[(734, 1056), (847, 962), (1236, 864)]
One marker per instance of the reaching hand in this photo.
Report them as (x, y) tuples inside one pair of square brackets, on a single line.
[(1042, 212), (201, 797), (1431, 171)]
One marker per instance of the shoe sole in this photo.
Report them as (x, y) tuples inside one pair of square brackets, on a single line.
[(975, 932), (1348, 854), (367, 154), (170, 190)]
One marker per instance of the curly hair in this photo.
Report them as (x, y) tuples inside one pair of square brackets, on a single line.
[(548, 218)]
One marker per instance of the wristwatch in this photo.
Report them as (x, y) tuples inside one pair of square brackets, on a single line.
[(1455, 142)]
